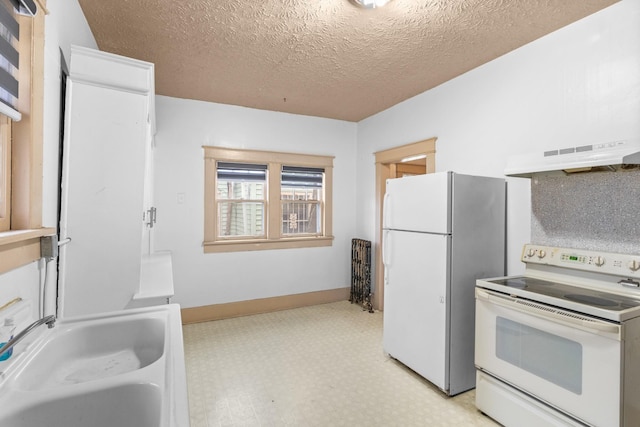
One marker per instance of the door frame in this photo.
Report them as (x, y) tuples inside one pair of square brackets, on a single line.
[(385, 169)]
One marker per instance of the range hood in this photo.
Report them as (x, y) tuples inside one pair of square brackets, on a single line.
[(611, 156)]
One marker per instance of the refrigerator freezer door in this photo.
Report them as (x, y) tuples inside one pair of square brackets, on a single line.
[(415, 302), (418, 203)]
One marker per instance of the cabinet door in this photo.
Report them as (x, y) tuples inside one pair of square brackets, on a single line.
[(102, 198), (147, 230)]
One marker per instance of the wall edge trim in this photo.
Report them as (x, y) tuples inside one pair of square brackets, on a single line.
[(262, 305)]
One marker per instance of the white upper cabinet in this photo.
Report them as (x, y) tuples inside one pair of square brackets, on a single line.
[(109, 126)]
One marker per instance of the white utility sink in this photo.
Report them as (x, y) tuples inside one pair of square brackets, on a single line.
[(124, 368)]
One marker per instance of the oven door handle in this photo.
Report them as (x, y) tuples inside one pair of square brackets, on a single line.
[(550, 313)]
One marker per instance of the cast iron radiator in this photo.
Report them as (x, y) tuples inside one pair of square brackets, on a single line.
[(361, 273)]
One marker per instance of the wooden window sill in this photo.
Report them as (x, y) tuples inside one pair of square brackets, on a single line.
[(20, 247), (258, 245)]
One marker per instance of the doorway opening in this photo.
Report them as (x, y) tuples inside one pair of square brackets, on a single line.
[(411, 159)]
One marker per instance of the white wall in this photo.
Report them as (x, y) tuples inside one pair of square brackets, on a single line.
[(183, 127), (65, 25), (576, 86), (580, 84)]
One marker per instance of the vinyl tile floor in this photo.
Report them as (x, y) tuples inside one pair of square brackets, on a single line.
[(314, 366)]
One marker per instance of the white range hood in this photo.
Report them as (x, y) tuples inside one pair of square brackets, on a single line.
[(585, 158)]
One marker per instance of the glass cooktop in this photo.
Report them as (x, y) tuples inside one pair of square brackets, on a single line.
[(593, 298)]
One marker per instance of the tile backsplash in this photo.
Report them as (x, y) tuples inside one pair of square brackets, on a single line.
[(595, 211)]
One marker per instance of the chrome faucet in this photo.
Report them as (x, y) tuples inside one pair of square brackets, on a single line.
[(49, 320)]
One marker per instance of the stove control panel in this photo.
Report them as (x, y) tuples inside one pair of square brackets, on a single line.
[(602, 262)]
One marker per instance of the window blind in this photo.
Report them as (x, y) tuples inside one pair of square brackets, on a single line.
[(241, 171), (9, 56), (297, 176)]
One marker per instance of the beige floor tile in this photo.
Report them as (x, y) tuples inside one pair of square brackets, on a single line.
[(314, 366)]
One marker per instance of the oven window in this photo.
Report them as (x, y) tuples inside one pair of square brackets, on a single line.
[(551, 357)]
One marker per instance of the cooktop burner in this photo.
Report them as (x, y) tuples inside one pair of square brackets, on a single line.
[(522, 282), (562, 291), (591, 300)]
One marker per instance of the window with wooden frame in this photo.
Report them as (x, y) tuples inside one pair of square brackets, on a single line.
[(21, 142), (256, 200)]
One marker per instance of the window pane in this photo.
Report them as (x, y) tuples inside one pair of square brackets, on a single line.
[(241, 219), (301, 218), (240, 190), (298, 193), (301, 194)]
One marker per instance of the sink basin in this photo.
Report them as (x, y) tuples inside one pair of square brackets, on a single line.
[(99, 350), (124, 405), (124, 368)]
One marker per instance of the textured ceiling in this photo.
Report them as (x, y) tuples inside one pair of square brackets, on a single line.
[(322, 58)]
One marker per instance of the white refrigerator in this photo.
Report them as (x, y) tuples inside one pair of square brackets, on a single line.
[(441, 232)]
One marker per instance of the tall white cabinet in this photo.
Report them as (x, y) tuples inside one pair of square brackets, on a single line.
[(106, 185)]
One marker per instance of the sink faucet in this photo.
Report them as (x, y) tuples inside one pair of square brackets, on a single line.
[(49, 320)]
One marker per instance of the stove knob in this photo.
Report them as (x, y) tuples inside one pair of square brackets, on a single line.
[(542, 254), (598, 261), (531, 253), (634, 265)]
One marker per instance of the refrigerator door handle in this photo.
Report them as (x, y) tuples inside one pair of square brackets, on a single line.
[(385, 209), (385, 238), (385, 254)]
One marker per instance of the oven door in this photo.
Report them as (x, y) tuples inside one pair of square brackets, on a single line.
[(570, 361)]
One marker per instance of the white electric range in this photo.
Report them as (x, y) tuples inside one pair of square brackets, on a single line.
[(560, 345)]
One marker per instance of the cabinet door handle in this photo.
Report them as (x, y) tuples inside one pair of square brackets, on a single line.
[(152, 216)]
